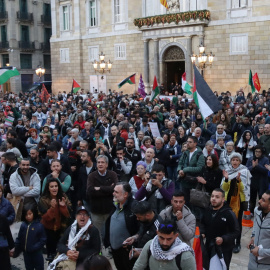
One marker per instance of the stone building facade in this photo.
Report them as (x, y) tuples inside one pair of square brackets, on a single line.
[(159, 43), (25, 27)]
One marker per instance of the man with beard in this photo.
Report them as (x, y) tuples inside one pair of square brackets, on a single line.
[(132, 154), (259, 245), (120, 225), (36, 160), (88, 166), (219, 226), (166, 250)]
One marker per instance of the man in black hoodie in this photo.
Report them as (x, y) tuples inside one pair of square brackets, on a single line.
[(220, 226)]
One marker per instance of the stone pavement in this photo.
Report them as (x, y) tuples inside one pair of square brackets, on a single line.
[(239, 261)]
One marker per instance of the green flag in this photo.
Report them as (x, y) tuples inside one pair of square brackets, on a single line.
[(250, 82)]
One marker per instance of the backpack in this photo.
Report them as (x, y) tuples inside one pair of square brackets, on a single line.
[(177, 260)]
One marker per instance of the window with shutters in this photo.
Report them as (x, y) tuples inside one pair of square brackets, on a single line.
[(239, 4), (26, 61), (5, 59), (24, 33), (66, 18), (92, 13), (120, 51), (93, 53), (117, 11), (23, 6), (2, 6), (3, 34), (64, 55), (238, 44), (47, 61)]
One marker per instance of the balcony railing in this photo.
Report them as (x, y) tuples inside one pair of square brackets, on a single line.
[(176, 18), (25, 17), (4, 45), (3, 15), (46, 20), (26, 46), (46, 47)]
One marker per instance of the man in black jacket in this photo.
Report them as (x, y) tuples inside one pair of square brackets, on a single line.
[(120, 225), (19, 144), (162, 155), (149, 223), (52, 154), (88, 166), (87, 236), (220, 226)]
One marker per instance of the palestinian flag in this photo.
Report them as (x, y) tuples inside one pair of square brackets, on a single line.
[(164, 3), (155, 90), (256, 82), (251, 83), (75, 87), (185, 85), (6, 73), (203, 96), (130, 80)]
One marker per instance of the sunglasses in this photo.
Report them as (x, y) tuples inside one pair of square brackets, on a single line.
[(169, 226)]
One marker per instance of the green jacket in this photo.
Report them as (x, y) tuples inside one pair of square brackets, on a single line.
[(187, 261), (195, 165)]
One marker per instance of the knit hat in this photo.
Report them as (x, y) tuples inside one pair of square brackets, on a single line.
[(236, 155)]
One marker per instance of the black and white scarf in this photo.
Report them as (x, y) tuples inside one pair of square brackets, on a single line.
[(177, 248)]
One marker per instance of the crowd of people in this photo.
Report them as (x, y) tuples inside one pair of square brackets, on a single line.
[(84, 174)]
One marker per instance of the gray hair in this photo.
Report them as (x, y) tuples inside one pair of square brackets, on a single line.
[(160, 139), (236, 155), (210, 143), (103, 156), (75, 130), (146, 138)]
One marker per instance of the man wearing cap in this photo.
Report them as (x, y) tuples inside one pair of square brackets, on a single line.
[(79, 241)]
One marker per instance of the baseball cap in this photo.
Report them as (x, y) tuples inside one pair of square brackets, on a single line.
[(82, 208)]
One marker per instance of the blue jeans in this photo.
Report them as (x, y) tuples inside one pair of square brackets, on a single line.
[(33, 260)]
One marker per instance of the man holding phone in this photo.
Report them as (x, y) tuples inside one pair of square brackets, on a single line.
[(158, 190)]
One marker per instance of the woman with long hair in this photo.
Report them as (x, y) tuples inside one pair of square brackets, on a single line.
[(54, 207)]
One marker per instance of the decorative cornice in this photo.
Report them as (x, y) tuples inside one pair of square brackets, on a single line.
[(176, 18)]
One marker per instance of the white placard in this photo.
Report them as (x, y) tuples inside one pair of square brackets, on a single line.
[(93, 83), (154, 129)]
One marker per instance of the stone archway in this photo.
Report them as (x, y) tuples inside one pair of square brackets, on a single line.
[(173, 64)]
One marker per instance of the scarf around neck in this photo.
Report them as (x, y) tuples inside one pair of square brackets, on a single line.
[(177, 248), (72, 241), (223, 135)]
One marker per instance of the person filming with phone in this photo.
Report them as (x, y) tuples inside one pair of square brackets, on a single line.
[(158, 189)]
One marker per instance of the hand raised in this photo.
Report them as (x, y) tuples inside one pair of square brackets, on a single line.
[(225, 174), (53, 203), (62, 202)]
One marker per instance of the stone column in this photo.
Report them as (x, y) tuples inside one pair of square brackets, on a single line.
[(156, 59), (146, 65), (189, 70)]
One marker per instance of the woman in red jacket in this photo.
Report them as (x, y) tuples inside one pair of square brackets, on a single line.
[(54, 207)]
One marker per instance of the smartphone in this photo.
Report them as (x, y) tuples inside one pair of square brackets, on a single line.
[(131, 254)]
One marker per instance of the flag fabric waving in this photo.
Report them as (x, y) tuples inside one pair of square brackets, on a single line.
[(141, 89), (250, 82), (164, 3), (155, 90), (256, 82), (75, 87), (7, 73), (44, 96), (130, 80), (185, 85), (203, 96)]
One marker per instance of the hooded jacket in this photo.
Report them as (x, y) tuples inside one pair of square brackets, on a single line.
[(18, 188), (186, 226)]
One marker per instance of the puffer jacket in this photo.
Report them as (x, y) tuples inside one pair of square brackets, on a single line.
[(7, 210), (186, 226), (261, 234), (18, 188), (31, 237)]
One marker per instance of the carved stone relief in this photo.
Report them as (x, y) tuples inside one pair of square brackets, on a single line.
[(173, 53)]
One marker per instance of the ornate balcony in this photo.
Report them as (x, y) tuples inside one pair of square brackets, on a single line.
[(45, 47), (3, 16), (25, 17), (27, 46), (46, 20), (4, 45), (179, 19)]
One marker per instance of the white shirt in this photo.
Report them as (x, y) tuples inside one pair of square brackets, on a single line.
[(191, 154)]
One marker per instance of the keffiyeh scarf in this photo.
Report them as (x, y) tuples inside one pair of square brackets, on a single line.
[(72, 241), (157, 193), (177, 248), (223, 135)]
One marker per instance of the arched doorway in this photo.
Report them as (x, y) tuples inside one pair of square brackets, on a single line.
[(174, 65)]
